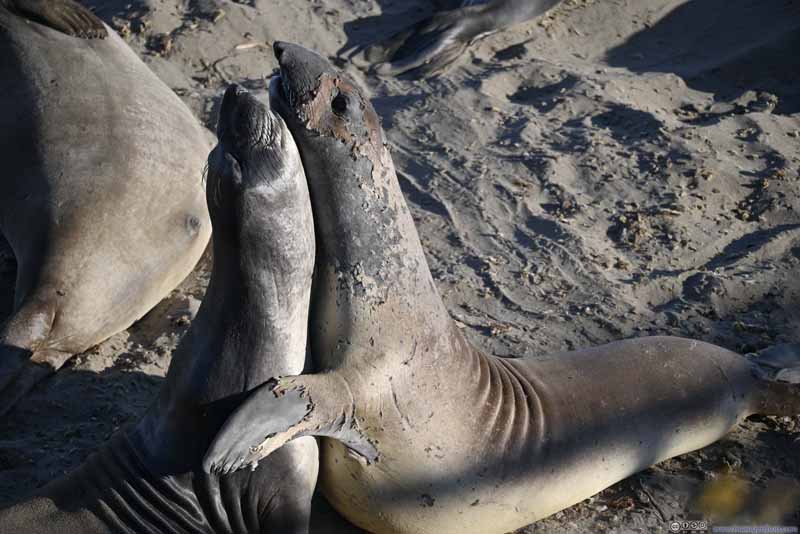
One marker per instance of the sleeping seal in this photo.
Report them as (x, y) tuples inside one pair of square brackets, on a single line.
[(429, 434), (429, 46), (251, 325), (101, 198)]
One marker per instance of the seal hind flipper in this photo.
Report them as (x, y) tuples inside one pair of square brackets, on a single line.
[(778, 362), (65, 16), (433, 44), (430, 46), (282, 410), (778, 372)]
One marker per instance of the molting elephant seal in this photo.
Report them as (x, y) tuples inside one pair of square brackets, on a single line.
[(426, 433)]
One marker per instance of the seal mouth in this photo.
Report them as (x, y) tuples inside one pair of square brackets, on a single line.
[(245, 124), (251, 146)]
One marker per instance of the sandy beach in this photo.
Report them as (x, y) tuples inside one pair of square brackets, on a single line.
[(617, 169)]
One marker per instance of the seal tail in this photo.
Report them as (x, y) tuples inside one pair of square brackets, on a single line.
[(282, 410), (777, 371)]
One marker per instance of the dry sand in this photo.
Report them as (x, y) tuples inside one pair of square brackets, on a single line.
[(619, 169)]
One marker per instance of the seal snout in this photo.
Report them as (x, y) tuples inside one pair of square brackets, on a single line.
[(300, 70), (244, 122), (278, 48)]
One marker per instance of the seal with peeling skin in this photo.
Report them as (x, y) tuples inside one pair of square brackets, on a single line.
[(487, 444)]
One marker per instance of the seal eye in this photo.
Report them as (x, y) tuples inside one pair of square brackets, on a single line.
[(339, 104)]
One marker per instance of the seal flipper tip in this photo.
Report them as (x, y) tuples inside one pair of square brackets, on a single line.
[(65, 16), (19, 373), (266, 413)]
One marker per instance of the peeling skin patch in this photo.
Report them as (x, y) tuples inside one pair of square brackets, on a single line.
[(364, 137), (357, 126), (317, 117), (357, 282)]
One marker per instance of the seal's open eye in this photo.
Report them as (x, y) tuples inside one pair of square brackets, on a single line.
[(339, 104)]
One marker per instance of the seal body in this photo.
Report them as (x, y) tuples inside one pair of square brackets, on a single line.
[(252, 325), (430, 46), (424, 433), (101, 198)]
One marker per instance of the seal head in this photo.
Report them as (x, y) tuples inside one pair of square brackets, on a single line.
[(321, 103), (250, 150)]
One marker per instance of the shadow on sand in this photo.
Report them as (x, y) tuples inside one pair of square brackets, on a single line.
[(716, 45)]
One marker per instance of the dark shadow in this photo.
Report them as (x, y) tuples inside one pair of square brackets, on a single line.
[(746, 244), (126, 9), (626, 124), (388, 106), (62, 420), (421, 198), (326, 520), (74, 415), (542, 98), (8, 277), (725, 47)]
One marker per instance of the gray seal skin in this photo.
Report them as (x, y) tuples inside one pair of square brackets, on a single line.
[(431, 45), (424, 433), (101, 198), (251, 325)]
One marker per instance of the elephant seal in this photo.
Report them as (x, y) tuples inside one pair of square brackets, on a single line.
[(251, 325), (101, 200), (425, 433), (429, 46)]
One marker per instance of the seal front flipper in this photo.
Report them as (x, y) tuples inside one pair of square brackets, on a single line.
[(282, 410), (66, 16)]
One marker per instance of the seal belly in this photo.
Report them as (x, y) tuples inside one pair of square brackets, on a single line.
[(539, 435), (102, 199)]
